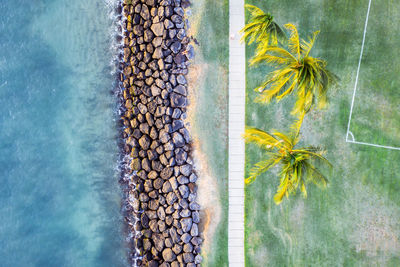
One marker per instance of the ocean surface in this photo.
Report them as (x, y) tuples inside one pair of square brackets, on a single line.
[(59, 192)]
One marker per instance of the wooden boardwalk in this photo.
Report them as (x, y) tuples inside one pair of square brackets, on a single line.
[(237, 95)]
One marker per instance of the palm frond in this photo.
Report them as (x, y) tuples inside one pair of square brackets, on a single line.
[(294, 40), (306, 46), (315, 176), (283, 189), (273, 55), (296, 126), (288, 141), (262, 167), (261, 28), (261, 138)]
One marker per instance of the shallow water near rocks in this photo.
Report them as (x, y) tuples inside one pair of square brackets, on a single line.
[(59, 193)]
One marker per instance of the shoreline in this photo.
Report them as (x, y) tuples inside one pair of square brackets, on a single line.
[(158, 179)]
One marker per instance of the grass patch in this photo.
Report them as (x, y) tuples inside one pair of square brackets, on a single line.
[(355, 221), (211, 20)]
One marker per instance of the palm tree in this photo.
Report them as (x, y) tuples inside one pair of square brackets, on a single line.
[(261, 29), (297, 164), (295, 71)]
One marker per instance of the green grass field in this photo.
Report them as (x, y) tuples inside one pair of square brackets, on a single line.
[(355, 221), (210, 20)]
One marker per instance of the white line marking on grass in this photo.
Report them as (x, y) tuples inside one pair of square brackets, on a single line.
[(374, 145), (349, 135), (237, 98), (358, 70)]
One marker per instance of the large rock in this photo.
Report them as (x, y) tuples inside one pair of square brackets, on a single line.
[(186, 224), (158, 240), (188, 257), (158, 28), (144, 142), (178, 139), (145, 12), (178, 100), (184, 190), (164, 136), (186, 169), (166, 173), (180, 156), (186, 237), (168, 255), (171, 198)]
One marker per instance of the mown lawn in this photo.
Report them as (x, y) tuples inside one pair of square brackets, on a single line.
[(210, 19), (356, 220)]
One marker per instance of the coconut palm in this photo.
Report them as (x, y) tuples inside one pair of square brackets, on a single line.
[(261, 29), (295, 72), (296, 164)]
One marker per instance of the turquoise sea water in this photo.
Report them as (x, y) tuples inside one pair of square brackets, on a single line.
[(59, 192)]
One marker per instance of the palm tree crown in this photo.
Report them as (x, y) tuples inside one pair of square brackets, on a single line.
[(262, 29), (296, 71), (297, 164)]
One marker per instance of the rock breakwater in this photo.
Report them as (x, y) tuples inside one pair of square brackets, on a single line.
[(159, 180)]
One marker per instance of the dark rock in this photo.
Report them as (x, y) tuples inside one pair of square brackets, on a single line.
[(183, 179), (198, 259), (157, 41), (176, 125), (194, 206), (196, 217), (168, 255), (186, 169), (185, 134), (193, 178), (146, 165), (169, 210), (158, 183), (180, 156), (158, 240), (164, 137), (195, 230), (161, 213), (175, 238), (158, 28), (188, 257), (176, 19), (181, 79), (184, 190), (171, 198), (176, 47), (178, 139), (144, 142), (168, 24), (167, 187), (176, 114), (168, 243), (145, 13), (185, 213), (158, 53), (196, 241), (186, 237), (169, 11), (144, 220), (153, 225), (166, 173), (169, 146), (179, 58), (180, 89), (153, 263), (179, 11)]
